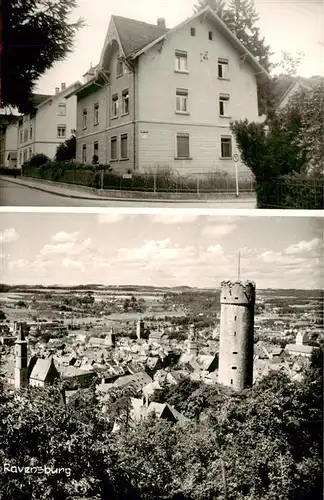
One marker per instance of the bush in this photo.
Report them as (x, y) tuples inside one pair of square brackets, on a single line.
[(161, 180), (10, 171), (67, 150), (38, 160)]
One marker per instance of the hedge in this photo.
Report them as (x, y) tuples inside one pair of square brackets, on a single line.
[(294, 191), (164, 180), (10, 171)]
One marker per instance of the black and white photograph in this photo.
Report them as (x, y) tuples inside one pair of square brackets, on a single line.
[(163, 103), (165, 356), (161, 249)]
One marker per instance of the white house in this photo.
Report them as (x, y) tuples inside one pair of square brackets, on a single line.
[(8, 137), (10, 143), (165, 97), (51, 123)]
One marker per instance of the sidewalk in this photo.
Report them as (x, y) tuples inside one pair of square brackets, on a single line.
[(87, 193)]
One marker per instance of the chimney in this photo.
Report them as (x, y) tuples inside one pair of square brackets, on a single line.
[(57, 90), (63, 86), (161, 23)]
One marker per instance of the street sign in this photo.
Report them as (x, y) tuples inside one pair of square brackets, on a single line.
[(235, 158)]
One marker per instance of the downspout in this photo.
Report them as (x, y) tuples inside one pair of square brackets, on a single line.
[(134, 116)]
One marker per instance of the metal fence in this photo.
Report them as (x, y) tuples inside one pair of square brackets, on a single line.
[(306, 194), (196, 183)]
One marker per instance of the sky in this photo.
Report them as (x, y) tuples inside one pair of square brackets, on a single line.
[(289, 25), (161, 249)]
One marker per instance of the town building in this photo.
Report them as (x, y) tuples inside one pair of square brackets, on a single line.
[(301, 347), (164, 98), (52, 121), (23, 372), (236, 334), (297, 85), (8, 137)]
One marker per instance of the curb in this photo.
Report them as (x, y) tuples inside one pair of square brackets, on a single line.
[(115, 198)]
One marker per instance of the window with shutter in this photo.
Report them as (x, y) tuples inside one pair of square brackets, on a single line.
[(183, 145)]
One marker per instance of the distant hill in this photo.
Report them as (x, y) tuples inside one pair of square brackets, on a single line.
[(4, 288)]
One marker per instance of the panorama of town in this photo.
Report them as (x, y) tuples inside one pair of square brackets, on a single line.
[(146, 338)]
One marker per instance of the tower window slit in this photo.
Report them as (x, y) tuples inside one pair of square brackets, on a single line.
[(234, 367), (234, 352)]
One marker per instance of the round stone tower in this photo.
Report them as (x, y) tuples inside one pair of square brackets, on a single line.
[(236, 334)]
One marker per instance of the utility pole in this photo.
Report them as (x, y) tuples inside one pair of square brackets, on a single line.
[(239, 267)]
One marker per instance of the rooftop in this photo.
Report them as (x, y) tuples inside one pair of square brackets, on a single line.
[(134, 35)]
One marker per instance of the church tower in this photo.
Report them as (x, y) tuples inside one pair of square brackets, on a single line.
[(192, 348), (236, 334), (21, 368)]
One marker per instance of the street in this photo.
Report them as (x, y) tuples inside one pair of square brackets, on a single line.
[(17, 195)]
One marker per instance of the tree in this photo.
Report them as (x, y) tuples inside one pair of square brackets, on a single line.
[(290, 63), (67, 150), (293, 143), (3, 317), (38, 430), (36, 34)]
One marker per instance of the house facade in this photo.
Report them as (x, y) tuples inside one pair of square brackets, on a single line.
[(9, 146), (51, 123), (165, 98), (8, 137)]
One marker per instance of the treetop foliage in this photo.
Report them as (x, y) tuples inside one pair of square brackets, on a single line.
[(264, 443), (294, 140), (36, 34)]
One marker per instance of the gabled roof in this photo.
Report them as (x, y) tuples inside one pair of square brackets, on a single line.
[(302, 349), (222, 28), (156, 335), (38, 99), (300, 83), (42, 368), (134, 35)]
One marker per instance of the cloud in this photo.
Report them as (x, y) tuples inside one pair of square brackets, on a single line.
[(74, 264), (111, 218), (68, 248), (36, 265), (18, 264), (8, 235), (173, 218), (218, 230), (304, 246), (63, 237), (280, 259), (156, 250), (215, 249)]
